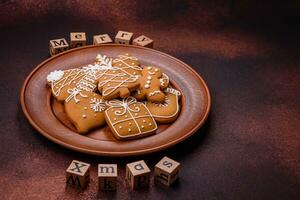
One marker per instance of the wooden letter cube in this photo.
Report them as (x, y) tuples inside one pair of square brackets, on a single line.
[(166, 171), (107, 176), (101, 39), (77, 39), (58, 45), (123, 37), (143, 41), (78, 174), (138, 174)]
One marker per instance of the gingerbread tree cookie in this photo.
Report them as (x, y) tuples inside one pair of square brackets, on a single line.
[(167, 111), (75, 87), (128, 63), (152, 82), (121, 79), (86, 111), (129, 119)]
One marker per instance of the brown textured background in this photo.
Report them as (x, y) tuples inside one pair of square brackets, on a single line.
[(247, 51)]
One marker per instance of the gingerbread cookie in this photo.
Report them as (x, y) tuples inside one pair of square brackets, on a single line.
[(128, 63), (85, 110), (121, 79), (129, 119), (167, 111), (152, 82), (84, 78)]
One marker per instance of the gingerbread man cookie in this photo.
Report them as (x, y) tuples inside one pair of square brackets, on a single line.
[(129, 119), (121, 79), (167, 111), (152, 82), (86, 110)]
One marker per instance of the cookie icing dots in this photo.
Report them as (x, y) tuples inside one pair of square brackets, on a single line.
[(152, 82)]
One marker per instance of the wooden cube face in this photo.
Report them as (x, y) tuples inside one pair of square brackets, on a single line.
[(138, 174), (58, 45), (166, 171), (107, 176), (143, 41), (78, 174), (77, 39), (101, 39), (123, 37)]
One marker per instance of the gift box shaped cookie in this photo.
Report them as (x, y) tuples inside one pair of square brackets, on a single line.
[(129, 119)]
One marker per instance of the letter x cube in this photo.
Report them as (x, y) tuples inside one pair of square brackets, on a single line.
[(78, 174), (138, 174)]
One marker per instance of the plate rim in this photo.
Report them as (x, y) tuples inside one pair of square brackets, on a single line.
[(115, 153)]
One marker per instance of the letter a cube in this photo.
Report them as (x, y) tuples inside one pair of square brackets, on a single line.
[(166, 171), (78, 174), (58, 45), (107, 176), (138, 174)]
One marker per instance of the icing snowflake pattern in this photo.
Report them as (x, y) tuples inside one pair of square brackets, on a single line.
[(55, 75), (98, 105)]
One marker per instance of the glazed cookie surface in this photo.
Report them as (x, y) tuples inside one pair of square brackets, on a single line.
[(86, 111), (167, 111), (129, 119), (152, 82), (121, 78), (128, 63)]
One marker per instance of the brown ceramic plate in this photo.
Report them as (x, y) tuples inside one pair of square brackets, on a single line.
[(48, 117)]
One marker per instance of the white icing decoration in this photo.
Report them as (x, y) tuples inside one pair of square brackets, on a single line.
[(73, 95), (113, 78), (86, 77), (55, 75), (123, 58), (118, 73), (125, 103), (167, 103), (164, 80), (172, 91), (154, 93), (97, 105), (164, 104)]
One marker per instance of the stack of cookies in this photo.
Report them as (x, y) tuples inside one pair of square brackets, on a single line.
[(119, 92)]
